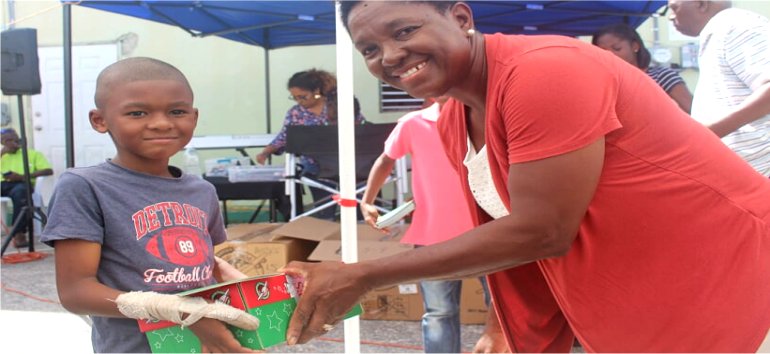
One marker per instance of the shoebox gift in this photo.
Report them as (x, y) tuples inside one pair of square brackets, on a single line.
[(270, 298)]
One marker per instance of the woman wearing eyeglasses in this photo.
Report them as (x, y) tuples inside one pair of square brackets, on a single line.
[(315, 93)]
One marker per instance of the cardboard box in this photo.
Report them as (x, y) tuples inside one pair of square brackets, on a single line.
[(313, 229), (331, 250), (395, 303), (251, 250), (473, 310), (271, 299)]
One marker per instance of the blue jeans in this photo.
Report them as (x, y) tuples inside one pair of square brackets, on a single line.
[(441, 321)]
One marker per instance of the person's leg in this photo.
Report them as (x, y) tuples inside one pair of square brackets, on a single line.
[(17, 191), (441, 321)]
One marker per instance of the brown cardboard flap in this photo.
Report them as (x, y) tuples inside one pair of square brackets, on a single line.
[(395, 303), (259, 255), (249, 231), (331, 250), (308, 228), (473, 310)]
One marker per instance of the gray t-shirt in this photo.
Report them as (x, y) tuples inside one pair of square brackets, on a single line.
[(157, 234)]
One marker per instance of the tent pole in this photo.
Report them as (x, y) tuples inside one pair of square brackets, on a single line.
[(267, 79), (67, 46), (347, 144)]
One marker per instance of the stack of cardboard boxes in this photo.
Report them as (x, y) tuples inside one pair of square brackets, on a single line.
[(257, 249)]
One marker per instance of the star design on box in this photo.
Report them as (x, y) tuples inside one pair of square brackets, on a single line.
[(258, 312), (288, 308), (275, 321), (163, 334), (157, 345), (238, 332), (179, 338)]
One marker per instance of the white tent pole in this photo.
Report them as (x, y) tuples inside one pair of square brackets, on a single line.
[(345, 123)]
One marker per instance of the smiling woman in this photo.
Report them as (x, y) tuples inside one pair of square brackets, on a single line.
[(615, 203)]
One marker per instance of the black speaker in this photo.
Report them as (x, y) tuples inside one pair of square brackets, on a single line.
[(20, 71)]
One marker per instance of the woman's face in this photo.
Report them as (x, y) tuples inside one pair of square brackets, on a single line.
[(622, 48), (413, 46), (304, 97)]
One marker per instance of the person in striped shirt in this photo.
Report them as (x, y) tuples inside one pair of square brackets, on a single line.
[(732, 96), (623, 41)]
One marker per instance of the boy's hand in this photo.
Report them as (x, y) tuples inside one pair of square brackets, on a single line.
[(216, 338), (225, 271)]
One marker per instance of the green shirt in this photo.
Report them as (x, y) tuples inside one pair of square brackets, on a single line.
[(13, 162)]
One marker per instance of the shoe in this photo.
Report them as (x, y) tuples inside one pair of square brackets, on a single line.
[(20, 240)]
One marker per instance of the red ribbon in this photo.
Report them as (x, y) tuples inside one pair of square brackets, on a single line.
[(345, 202)]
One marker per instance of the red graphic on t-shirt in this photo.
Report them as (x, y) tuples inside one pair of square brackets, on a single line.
[(179, 245)]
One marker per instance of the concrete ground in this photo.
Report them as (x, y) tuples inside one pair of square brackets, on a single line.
[(33, 321)]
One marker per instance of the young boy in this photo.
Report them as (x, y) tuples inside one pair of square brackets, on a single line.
[(133, 229)]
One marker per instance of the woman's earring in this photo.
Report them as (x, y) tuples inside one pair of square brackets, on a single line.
[(470, 32), (316, 96)]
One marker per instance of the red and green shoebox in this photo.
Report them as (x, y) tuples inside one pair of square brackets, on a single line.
[(271, 298)]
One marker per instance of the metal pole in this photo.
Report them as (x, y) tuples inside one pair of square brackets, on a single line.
[(267, 80), (30, 208), (69, 131)]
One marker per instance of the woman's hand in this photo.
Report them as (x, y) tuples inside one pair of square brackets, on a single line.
[(262, 158), (491, 342), (370, 214), (328, 292), (216, 338)]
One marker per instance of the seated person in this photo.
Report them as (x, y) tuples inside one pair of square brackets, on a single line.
[(13, 186)]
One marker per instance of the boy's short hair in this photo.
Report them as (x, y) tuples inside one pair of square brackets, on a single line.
[(135, 69)]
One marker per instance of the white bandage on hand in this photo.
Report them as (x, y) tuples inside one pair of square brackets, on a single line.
[(169, 307)]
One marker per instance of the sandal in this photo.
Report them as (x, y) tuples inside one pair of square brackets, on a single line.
[(20, 240)]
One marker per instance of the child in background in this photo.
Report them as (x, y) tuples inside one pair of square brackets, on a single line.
[(133, 230), (440, 213)]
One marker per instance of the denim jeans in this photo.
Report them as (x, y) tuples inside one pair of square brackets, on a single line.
[(441, 321)]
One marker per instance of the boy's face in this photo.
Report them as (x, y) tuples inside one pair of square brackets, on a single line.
[(149, 121)]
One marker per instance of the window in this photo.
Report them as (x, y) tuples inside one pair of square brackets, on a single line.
[(393, 99)]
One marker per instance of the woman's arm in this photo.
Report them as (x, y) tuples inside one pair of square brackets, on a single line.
[(549, 198), (681, 96), (377, 177)]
